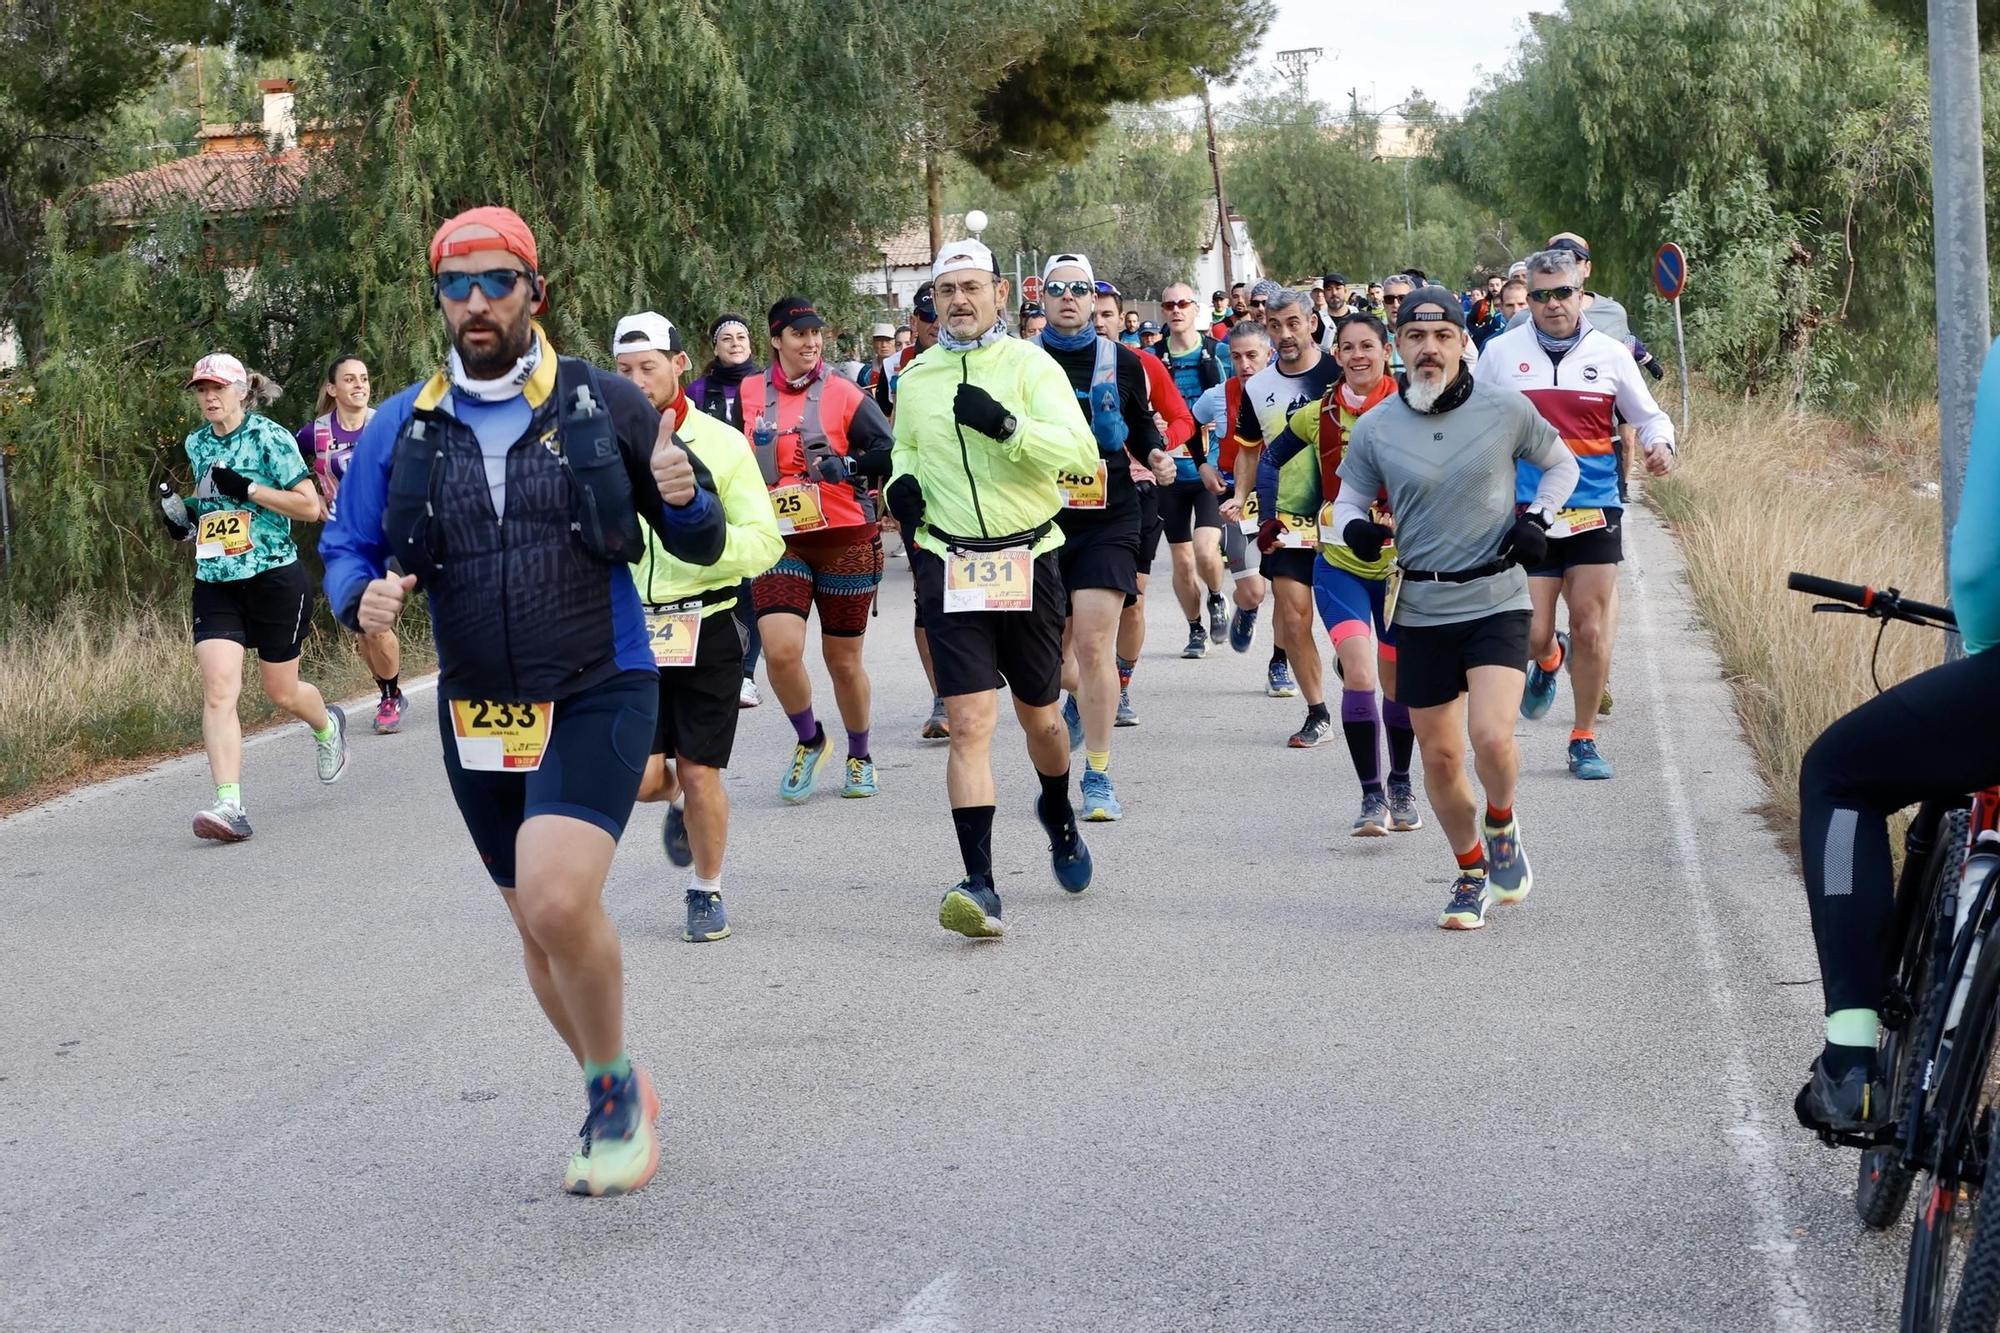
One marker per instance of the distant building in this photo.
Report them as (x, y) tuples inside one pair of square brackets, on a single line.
[(1244, 265), (903, 264)]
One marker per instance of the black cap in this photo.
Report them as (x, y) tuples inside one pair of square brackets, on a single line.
[(794, 312), (1218, 296), (1032, 308), (1335, 279), (1430, 294), (924, 304)]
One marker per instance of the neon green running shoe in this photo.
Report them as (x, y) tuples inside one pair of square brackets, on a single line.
[(621, 1148)]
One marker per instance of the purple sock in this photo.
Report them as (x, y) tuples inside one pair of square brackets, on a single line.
[(1402, 737), (857, 744), (1359, 723), (805, 725)]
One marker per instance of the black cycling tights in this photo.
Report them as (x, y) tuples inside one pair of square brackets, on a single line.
[(1935, 737)]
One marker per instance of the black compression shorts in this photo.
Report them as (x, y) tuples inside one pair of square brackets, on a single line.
[(270, 612), (1185, 506)]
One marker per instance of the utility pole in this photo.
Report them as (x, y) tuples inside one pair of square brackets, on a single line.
[(1958, 201), (1296, 61), (1223, 238)]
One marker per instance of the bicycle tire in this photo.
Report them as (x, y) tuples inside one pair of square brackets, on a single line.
[(1978, 1309), (1883, 1179)]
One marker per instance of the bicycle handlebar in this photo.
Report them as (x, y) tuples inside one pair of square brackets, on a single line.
[(1882, 603)]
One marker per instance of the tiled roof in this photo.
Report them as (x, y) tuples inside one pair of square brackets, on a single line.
[(911, 247), (216, 182)]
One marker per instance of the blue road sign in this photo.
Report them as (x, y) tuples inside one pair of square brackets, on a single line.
[(1670, 272)]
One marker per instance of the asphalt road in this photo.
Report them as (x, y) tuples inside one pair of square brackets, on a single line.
[(1243, 1083)]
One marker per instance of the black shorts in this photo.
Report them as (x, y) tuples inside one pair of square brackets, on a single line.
[(974, 651), (598, 743), (1599, 546), (1151, 523), (1096, 555), (1185, 506), (270, 612), (1289, 563), (1431, 660), (699, 703)]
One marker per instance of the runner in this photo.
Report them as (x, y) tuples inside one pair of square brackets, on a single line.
[(547, 692), (1353, 594), (719, 393), (250, 592), (1578, 378), (1393, 291), (819, 441), (1033, 319), (1606, 315), (986, 426), (1445, 448), (1289, 536), (1101, 518), (1220, 409), (924, 336), (1193, 518), (694, 635), (1220, 317), (327, 444)]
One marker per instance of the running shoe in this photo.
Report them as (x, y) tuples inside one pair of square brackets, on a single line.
[(1314, 733), (706, 919), (939, 727), (389, 715), (1278, 682), (1541, 690), (1242, 630), (747, 697), (1586, 763), (222, 822), (807, 760), (333, 750), (1467, 908), (621, 1149), (1068, 856), (1404, 816), (1855, 1103), (1100, 803), (1373, 821), (1073, 719), (1197, 644), (1507, 863), (1128, 716), (860, 778), (1218, 621), (674, 836), (1604, 703), (972, 908)]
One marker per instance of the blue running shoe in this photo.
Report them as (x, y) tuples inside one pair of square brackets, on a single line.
[(1541, 691), (1507, 863), (1073, 719), (1068, 856), (1278, 682), (1586, 763), (706, 919), (1467, 908), (1242, 630), (860, 779), (972, 908), (807, 760), (1100, 804), (674, 833)]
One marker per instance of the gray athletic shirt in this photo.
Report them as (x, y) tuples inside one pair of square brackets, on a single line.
[(1450, 477)]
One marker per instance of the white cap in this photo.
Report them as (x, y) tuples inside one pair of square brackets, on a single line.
[(1070, 261), (962, 254), (218, 368), (647, 331), (882, 331)]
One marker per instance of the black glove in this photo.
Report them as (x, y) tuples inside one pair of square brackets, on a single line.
[(1527, 542), (174, 514), (831, 468), (906, 503), (230, 482), (1366, 539), (972, 406)]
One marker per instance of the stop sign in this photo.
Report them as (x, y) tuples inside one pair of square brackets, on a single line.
[(1031, 288)]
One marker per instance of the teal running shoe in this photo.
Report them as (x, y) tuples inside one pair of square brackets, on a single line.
[(803, 775), (1540, 694)]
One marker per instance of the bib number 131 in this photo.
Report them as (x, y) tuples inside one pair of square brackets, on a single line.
[(990, 580)]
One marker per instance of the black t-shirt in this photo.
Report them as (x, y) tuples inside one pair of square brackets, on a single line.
[(1121, 497)]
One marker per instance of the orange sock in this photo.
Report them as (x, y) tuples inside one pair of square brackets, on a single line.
[(1582, 734), (1498, 818), (1554, 660), (1474, 859)]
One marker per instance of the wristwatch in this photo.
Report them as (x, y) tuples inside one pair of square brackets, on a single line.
[(1008, 426)]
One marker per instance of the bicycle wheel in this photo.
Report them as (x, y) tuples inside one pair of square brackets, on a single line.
[(1978, 1308)]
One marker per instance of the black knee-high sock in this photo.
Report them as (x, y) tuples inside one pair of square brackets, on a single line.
[(975, 840), (1402, 739), (1053, 805)]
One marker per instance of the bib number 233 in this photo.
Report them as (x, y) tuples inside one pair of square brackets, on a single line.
[(990, 580), (501, 737)]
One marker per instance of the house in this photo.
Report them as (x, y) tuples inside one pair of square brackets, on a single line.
[(1244, 265), (903, 264)]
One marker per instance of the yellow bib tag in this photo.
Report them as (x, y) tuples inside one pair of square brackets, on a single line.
[(1300, 533), (222, 532), (1082, 490), (1329, 535), (673, 632), (1390, 595), (798, 508), (1250, 522), (501, 738), (1570, 522), (990, 580)]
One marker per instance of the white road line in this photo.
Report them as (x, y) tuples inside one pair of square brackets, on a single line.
[(932, 1310), (1750, 1137)]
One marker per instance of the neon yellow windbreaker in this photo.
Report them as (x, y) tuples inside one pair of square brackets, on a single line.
[(752, 544)]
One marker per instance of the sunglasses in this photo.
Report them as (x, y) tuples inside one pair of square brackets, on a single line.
[(1176, 305), (1259, 305), (1077, 288), (495, 283), (1544, 295)]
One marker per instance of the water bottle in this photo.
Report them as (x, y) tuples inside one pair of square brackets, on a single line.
[(764, 445), (1980, 863), (175, 509)]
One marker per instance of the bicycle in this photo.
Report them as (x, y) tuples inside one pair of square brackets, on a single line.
[(1938, 1029)]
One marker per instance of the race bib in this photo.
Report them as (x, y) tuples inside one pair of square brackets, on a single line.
[(1391, 594), (222, 532), (673, 632), (798, 508), (501, 738), (1300, 533), (1250, 522), (990, 580), (1570, 522), (1082, 490), (1329, 535)]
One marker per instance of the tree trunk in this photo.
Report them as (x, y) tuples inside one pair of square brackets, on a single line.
[(934, 197), (1222, 236)]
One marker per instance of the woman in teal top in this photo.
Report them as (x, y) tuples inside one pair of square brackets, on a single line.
[(249, 590)]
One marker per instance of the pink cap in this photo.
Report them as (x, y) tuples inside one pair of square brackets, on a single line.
[(218, 368)]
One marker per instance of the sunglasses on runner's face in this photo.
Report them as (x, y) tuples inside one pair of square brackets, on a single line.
[(495, 283), (1176, 305), (1259, 305), (1078, 289), (1544, 295)]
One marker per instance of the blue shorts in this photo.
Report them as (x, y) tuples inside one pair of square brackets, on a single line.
[(1351, 605), (598, 744)]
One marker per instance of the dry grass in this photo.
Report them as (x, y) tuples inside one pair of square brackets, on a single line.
[(1759, 494), (92, 689)]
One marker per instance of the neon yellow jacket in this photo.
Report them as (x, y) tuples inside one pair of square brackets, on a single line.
[(975, 486), (751, 543)]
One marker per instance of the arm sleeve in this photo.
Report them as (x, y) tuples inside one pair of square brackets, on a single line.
[(1541, 446), (1049, 429), (1291, 442), (1350, 504), (1360, 478), (352, 545), (1135, 394), (870, 442), (1975, 540), (1167, 401), (1636, 405), (694, 532)]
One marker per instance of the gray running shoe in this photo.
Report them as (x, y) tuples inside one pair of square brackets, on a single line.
[(1373, 821), (1404, 816), (1127, 715), (222, 822), (333, 751), (1197, 644)]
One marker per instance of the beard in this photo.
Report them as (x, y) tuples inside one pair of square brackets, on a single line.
[(1422, 394), (511, 345)]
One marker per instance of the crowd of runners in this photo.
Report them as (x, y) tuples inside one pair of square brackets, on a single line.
[(608, 551)]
